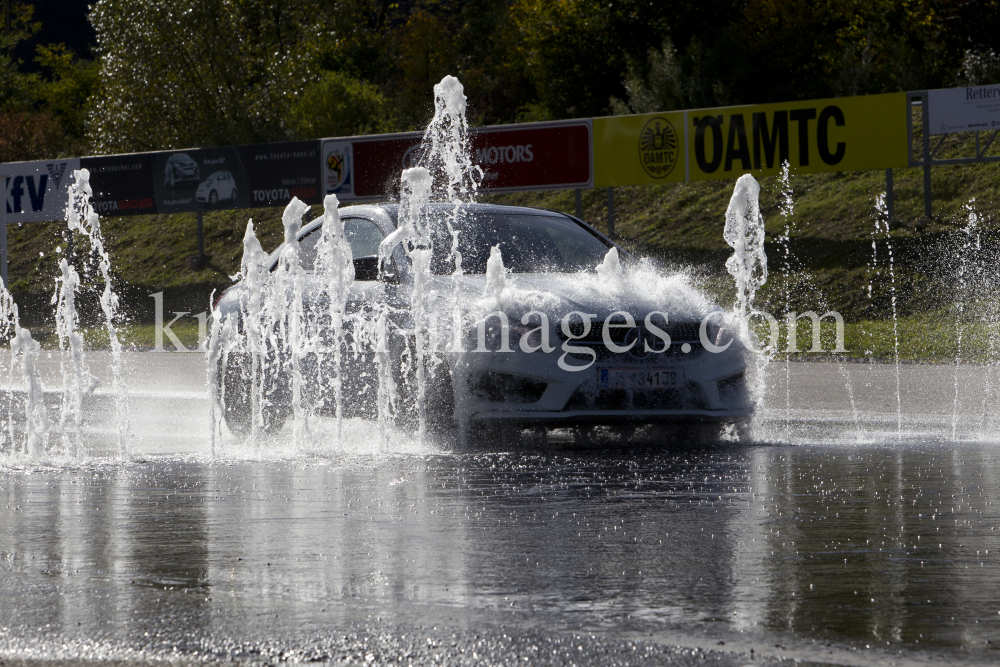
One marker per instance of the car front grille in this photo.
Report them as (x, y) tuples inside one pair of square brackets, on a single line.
[(685, 342), (505, 388), (589, 397)]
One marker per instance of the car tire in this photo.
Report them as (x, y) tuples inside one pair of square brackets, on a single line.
[(439, 398), (213, 198), (235, 384)]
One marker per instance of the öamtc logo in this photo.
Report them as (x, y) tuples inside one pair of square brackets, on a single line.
[(658, 147)]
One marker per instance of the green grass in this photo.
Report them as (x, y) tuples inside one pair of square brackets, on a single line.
[(927, 337), (830, 249), (132, 336)]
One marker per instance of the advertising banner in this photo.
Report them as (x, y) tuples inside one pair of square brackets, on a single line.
[(277, 172), (122, 184), (639, 150), (378, 163), (338, 169), (531, 156), (37, 191), (841, 134), (536, 156), (964, 109), (235, 177)]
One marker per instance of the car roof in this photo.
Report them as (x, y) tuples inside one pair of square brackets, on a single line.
[(391, 210)]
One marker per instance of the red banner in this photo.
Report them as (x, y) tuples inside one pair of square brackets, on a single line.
[(534, 156)]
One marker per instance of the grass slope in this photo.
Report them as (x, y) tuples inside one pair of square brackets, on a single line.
[(828, 265)]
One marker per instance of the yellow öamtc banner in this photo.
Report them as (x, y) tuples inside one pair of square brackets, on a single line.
[(837, 134), (639, 150)]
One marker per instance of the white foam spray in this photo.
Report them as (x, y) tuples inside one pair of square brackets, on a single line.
[(285, 306), (744, 232), (335, 268), (969, 243), (610, 269), (882, 225), (77, 381), (81, 217), (25, 351)]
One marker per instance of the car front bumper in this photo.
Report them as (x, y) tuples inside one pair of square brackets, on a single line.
[(713, 390)]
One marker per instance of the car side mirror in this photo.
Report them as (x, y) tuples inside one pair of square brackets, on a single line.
[(366, 268)]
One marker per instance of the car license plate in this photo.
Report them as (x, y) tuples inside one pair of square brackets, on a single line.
[(640, 378)]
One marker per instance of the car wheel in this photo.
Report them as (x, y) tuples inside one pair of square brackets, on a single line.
[(213, 197), (237, 401), (439, 397)]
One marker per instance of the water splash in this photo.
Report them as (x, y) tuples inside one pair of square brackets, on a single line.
[(744, 232), (969, 243), (786, 207), (77, 381), (445, 148), (610, 269), (286, 308), (335, 268), (496, 276), (882, 223), (25, 352), (81, 217)]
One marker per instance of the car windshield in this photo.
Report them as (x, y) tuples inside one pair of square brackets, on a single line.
[(528, 243)]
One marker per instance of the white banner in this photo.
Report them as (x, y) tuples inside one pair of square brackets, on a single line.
[(964, 109), (37, 191), (338, 169)]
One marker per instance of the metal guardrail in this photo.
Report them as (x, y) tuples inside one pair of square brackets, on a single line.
[(927, 160)]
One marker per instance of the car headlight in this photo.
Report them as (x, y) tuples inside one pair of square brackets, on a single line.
[(494, 333), (717, 331)]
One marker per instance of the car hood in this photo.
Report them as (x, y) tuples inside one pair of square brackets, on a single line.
[(637, 291)]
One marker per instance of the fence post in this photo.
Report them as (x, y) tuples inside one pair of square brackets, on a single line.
[(3, 234), (579, 203), (926, 121), (198, 261), (611, 212), (201, 237), (889, 204)]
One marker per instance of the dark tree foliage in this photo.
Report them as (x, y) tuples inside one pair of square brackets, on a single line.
[(200, 72)]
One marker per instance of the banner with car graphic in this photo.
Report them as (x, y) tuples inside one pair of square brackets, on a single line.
[(199, 179), (236, 177)]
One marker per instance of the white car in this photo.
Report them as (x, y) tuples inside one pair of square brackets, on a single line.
[(180, 168), (220, 185), (589, 342)]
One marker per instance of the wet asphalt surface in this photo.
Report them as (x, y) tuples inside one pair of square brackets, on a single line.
[(729, 555)]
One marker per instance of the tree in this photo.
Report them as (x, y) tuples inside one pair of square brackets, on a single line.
[(66, 93), (338, 106), (576, 51), (16, 88), (199, 72)]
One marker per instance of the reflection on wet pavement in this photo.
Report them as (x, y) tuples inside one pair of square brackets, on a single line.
[(890, 548)]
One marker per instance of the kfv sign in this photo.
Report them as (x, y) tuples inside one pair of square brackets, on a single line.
[(36, 191)]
